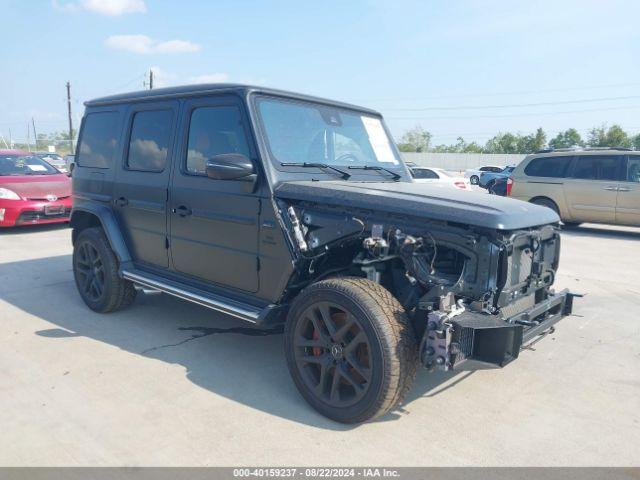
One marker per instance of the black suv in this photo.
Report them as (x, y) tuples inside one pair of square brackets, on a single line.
[(278, 208)]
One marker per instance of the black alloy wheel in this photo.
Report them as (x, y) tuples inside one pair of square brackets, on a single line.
[(96, 271), (333, 354), (90, 271), (350, 348)]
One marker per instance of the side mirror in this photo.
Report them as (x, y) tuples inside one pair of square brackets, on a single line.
[(71, 166), (229, 166)]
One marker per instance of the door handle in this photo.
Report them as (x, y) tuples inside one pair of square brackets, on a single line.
[(121, 202), (611, 189), (624, 189), (182, 211)]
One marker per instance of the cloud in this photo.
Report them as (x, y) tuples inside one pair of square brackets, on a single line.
[(209, 78), (144, 45), (111, 8)]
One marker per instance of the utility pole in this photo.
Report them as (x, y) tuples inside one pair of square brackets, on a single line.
[(70, 122), (28, 137), (35, 136), (10, 139), (150, 79)]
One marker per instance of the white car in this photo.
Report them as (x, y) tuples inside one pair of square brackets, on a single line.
[(473, 174), (439, 175)]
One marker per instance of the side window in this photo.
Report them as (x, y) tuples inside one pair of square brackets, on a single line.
[(214, 131), (99, 140), (149, 141), (552, 167), (633, 169), (597, 167)]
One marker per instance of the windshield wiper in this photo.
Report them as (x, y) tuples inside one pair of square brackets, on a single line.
[(395, 176), (342, 173)]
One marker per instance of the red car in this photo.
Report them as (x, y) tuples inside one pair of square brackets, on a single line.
[(31, 190)]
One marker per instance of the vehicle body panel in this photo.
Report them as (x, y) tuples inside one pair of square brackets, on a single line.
[(218, 240), (439, 175), (612, 201), (140, 197), (472, 208), (43, 198), (486, 178)]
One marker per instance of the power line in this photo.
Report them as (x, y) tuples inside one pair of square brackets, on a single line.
[(500, 94), (513, 115), (516, 105)]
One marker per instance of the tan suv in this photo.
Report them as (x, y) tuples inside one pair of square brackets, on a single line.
[(591, 185)]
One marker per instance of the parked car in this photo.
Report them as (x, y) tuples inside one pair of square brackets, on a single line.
[(473, 174), (31, 190), (438, 175), (54, 160), (589, 185), (487, 178), (277, 208), (499, 187)]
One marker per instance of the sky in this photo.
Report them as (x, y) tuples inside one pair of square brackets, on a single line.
[(469, 68)]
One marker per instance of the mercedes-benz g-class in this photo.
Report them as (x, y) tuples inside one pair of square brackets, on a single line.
[(284, 209)]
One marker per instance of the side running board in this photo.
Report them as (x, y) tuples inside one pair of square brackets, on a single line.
[(218, 303)]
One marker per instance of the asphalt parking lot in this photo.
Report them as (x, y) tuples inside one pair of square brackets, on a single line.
[(166, 382)]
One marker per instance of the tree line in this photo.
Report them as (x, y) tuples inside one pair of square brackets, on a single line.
[(59, 139), (419, 140)]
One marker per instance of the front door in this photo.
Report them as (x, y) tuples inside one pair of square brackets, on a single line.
[(628, 207), (214, 223), (140, 191), (592, 189)]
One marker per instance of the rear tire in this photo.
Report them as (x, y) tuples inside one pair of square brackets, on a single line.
[(95, 269), (474, 180), (355, 330), (545, 202)]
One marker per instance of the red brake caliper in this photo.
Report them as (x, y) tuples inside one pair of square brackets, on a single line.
[(317, 351)]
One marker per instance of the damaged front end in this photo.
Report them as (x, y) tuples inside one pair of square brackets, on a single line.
[(473, 293)]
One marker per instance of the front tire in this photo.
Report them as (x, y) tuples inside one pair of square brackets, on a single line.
[(474, 180), (350, 349), (95, 269)]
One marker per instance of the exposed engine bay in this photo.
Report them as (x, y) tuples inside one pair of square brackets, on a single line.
[(473, 293)]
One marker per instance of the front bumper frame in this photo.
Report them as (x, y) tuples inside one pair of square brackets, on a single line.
[(449, 341)]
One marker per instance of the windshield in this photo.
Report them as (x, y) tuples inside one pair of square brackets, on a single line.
[(14, 165), (300, 132)]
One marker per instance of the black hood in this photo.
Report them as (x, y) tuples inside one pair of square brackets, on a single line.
[(433, 201)]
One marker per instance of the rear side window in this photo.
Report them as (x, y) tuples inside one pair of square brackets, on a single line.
[(423, 173), (633, 169), (597, 167), (214, 131), (552, 167), (149, 142), (99, 140)]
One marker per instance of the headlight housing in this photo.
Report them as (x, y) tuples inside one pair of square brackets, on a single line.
[(6, 194)]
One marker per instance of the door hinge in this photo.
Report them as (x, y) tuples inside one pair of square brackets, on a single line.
[(166, 242), (258, 264)]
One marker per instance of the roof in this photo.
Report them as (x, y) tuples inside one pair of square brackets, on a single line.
[(202, 89), (14, 152), (584, 151)]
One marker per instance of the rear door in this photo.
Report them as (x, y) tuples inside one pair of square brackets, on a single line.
[(628, 206), (214, 223), (140, 192), (592, 189)]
